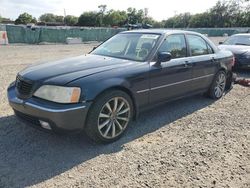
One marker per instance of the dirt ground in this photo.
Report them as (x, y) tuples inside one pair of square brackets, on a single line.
[(193, 142)]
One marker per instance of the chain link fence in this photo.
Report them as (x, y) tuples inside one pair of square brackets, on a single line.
[(36, 35), (59, 34)]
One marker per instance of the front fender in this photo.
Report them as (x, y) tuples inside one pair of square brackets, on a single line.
[(91, 90)]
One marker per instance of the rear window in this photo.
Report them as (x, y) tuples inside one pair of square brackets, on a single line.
[(198, 45), (238, 40)]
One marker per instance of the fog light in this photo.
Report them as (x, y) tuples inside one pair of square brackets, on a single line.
[(45, 125)]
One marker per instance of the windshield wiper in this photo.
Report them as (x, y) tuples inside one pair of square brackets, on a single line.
[(241, 44)]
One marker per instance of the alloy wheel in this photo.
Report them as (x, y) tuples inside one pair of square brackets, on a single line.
[(114, 117), (220, 85)]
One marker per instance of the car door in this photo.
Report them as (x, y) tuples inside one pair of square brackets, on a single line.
[(203, 61), (171, 79)]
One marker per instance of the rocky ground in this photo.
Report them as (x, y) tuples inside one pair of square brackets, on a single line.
[(193, 142)]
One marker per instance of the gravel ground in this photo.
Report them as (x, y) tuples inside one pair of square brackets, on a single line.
[(193, 142)]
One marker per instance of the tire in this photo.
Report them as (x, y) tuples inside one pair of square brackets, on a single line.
[(230, 81), (218, 85), (109, 116)]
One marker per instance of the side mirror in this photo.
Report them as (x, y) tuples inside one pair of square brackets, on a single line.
[(220, 42), (163, 57)]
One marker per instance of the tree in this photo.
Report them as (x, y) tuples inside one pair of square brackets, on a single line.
[(178, 21), (115, 18), (88, 19), (70, 20), (200, 20), (245, 19), (59, 19), (49, 17), (148, 20), (224, 14), (25, 18), (2, 19), (158, 24), (219, 14), (135, 16), (102, 10)]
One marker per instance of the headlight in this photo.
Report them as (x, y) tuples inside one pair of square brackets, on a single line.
[(59, 94)]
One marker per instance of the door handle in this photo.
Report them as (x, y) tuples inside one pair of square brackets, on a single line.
[(213, 59), (187, 64)]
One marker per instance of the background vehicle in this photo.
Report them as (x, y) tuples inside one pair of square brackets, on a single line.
[(103, 91), (239, 44)]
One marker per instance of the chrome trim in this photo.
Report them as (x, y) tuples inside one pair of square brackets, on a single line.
[(159, 87), (54, 110), (167, 85), (142, 91)]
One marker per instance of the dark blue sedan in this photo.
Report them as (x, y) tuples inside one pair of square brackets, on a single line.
[(239, 44), (101, 92)]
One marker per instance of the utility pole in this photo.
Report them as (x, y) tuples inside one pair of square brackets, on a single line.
[(64, 16)]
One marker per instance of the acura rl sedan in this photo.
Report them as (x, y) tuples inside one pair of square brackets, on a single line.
[(239, 44), (101, 92)]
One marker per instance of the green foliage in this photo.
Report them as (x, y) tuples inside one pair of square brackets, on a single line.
[(49, 17), (200, 20), (225, 13), (179, 21), (135, 16), (88, 19), (158, 24), (245, 21), (25, 18), (70, 20), (115, 18), (149, 20), (2, 19), (100, 16)]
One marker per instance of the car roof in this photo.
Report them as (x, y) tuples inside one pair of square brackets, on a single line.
[(159, 31)]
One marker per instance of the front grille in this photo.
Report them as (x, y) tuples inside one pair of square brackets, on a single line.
[(31, 119), (23, 87)]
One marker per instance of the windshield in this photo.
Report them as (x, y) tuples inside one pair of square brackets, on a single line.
[(132, 46), (238, 40)]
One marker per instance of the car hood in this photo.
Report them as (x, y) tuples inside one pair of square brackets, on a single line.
[(236, 49), (66, 70)]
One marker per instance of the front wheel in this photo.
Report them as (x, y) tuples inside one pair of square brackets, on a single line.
[(217, 88), (109, 116)]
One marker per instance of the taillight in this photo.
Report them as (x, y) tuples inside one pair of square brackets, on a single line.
[(233, 61)]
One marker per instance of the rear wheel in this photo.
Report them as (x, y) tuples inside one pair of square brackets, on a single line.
[(217, 88), (109, 116)]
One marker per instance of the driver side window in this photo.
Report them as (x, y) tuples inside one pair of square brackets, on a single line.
[(176, 45)]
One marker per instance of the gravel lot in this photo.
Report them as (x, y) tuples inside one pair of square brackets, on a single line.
[(194, 142)]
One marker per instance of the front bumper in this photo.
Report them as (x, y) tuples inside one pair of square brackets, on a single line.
[(61, 117), (242, 62)]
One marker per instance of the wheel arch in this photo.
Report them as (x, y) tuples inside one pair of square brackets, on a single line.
[(125, 90)]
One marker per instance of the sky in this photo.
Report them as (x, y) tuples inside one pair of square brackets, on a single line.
[(158, 9)]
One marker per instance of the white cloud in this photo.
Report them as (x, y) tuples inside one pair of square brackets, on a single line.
[(158, 9)]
